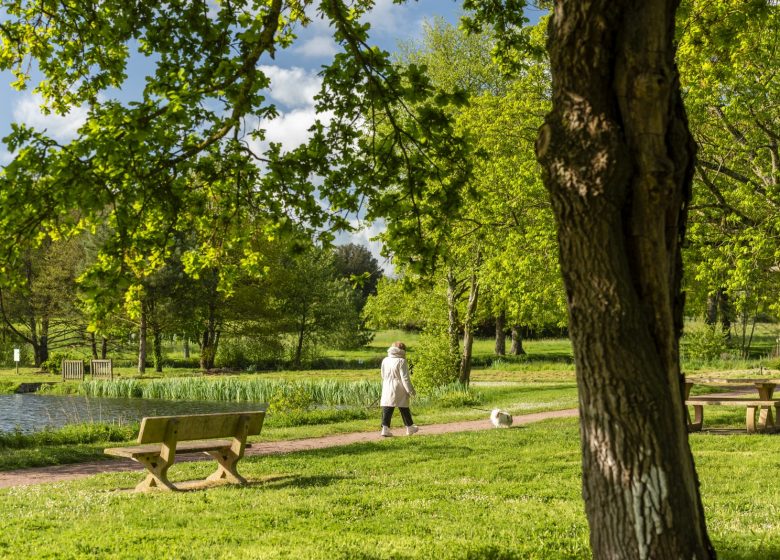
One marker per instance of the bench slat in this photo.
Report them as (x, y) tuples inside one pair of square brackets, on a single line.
[(200, 426), (731, 401), (182, 447)]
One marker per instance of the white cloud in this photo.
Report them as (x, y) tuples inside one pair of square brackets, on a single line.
[(60, 127), (391, 19), (319, 46), (290, 129), (292, 87)]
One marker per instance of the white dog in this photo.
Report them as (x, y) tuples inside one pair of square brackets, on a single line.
[(500, 419)]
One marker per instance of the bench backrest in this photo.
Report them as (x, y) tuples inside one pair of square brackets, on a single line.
[(201, 426), (101, 369), (72, 369)]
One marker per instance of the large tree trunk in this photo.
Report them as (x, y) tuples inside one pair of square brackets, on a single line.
[(617, 159), (468, 333), (103, 347), (501, 333), (93, 345)]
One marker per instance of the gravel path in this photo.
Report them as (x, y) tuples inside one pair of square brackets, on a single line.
[(59, 473)]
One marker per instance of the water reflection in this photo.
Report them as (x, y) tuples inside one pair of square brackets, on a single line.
[(32, 413)]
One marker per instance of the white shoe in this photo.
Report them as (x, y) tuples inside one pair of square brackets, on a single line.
[(413, 429), (385, 432)]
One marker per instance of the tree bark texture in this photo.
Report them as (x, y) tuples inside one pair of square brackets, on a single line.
[(501, 333), (617, 159)]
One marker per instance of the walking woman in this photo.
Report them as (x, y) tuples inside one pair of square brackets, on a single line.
[(396, 389)]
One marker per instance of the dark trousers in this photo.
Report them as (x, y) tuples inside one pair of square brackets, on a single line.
[(387, 415)]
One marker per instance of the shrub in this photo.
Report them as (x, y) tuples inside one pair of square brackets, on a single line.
[(54, 363), (706, 344), (291, 398), (245, 352), (434, 363)]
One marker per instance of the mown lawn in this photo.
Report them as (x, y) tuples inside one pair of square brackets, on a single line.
[(482, 495)]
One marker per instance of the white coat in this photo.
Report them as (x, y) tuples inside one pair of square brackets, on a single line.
[(396, 384)]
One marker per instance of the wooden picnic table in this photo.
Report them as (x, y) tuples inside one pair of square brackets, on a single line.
[(764, 386)]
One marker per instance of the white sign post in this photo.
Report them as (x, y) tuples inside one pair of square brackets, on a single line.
[(17, 357)]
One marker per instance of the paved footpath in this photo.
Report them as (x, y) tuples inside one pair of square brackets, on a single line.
[(59, 473)]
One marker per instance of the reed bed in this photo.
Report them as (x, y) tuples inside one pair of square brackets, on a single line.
[(325, 392)]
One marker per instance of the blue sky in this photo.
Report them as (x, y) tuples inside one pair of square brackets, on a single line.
[(293, 73)]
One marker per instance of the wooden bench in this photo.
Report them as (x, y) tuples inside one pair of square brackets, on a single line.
[(101, 369), (221, 435), (765, 421), (72, 369)]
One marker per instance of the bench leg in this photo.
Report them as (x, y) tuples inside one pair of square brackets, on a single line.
[(765, 417), (698, 418), (226, 470), (750, 419), (157, 479)]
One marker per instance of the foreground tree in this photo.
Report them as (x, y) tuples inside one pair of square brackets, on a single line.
[(618, 163)]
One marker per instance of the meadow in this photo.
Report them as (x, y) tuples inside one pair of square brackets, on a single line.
[(499, 494)]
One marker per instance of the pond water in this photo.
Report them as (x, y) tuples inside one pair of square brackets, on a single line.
[(31, 413)]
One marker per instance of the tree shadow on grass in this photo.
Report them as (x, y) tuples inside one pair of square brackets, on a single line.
[(422, 447), (295, 481)]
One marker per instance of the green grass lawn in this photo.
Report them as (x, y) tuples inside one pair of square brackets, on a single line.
[(482, 495)]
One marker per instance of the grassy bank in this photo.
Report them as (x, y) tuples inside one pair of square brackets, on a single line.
[(50, 449), (496, 494)]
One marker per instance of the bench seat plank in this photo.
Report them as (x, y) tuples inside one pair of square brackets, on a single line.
[(731, 401), (182, 447)]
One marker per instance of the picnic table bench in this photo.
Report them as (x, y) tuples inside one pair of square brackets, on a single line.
[(760, 407), (221, 435)]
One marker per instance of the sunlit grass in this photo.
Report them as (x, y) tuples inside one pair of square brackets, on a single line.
[(506, 494)]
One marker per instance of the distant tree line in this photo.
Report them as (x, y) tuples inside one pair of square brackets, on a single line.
[(303, 299)]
